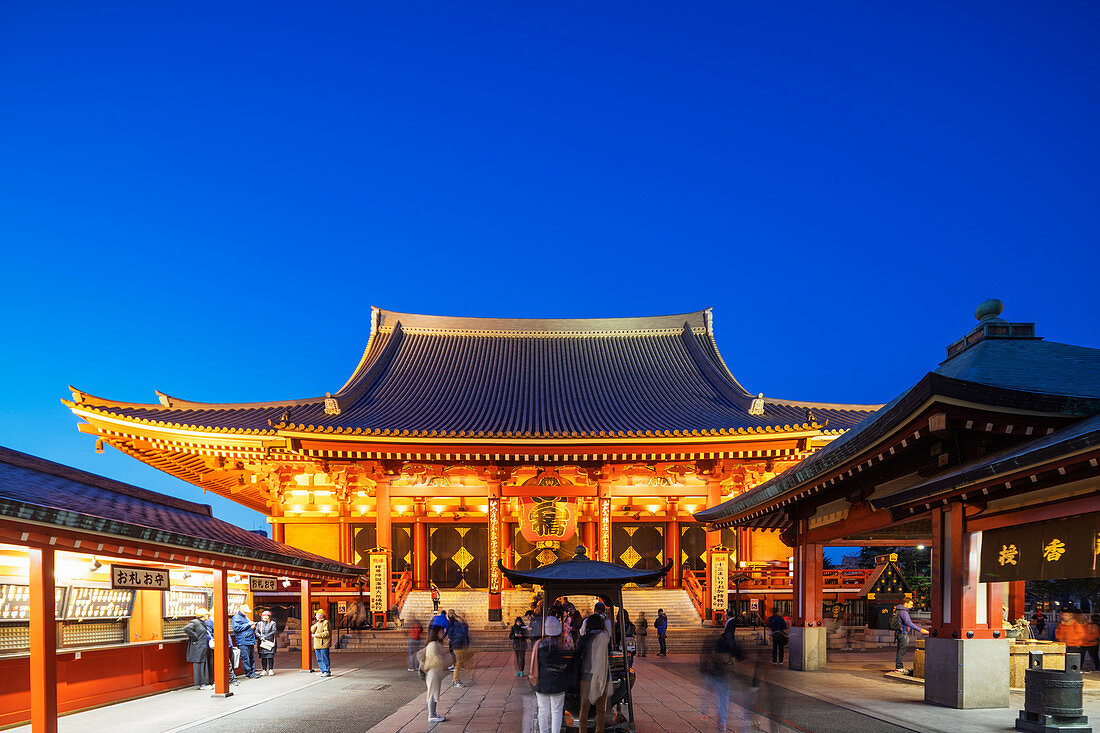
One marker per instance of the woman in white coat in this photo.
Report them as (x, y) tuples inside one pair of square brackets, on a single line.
[(433, 665)]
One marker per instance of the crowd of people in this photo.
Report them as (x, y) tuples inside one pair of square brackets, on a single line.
[(250, 641), (1079, 631), (557, 649)]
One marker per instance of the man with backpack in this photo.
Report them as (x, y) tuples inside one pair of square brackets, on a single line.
[(901, 625), (661, 626)]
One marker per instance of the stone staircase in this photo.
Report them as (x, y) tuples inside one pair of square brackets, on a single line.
[(474, 605)]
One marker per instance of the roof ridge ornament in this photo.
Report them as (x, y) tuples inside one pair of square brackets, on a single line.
[(990, 326), (757, 406), (332, 405)]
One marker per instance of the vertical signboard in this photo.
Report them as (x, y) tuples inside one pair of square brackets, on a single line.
[(719, 587), (379, 580)]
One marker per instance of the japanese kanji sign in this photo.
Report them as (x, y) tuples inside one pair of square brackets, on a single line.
[(1063, 548), (139, 577), (379, 580), (262, 584)]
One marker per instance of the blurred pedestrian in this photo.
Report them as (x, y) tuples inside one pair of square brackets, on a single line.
[(716, 667), (435, 597), (266, 642), (229, 661), (1092, 642), (460, 650), (626, 631), (550, 671), (431, 661), (661, 627), (595, 682), (1072, 633), (641, 630), (777, 627), (244, 633), (195, 631), (413, 631), (450, 638), (518, 636), (322, 639), (902, 625)]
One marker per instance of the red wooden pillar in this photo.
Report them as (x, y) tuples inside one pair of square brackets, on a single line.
[(954, 574), (507, 553), (807, 585), (43, 641), (994, 594), (420, 548), (714, 498), (221, 633), (384, 531), (589, 526), (1015, 600), (307, 620), (672, 546)]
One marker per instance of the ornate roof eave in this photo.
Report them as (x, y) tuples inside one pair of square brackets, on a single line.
[(752, 513), (93, 414), (292, 430)]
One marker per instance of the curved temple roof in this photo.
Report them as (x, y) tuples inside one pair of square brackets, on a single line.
[(444, 377)]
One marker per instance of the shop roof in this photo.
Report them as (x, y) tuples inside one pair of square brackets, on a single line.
[(448, 377), (42, 492), (1003, 372), (581, 570)]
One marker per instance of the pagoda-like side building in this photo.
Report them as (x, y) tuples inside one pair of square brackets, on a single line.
[(460, 440)]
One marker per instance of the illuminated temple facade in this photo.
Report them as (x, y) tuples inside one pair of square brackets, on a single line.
[(460, 440)]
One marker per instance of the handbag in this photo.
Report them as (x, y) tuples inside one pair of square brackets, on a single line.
[(210, 643), (267, 644), (236, 656)]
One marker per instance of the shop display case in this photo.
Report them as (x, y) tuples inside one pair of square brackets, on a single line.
[(15, 615), (180, 606), (88, 603), (235, 599)]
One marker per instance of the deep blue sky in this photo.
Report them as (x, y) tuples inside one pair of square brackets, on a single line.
[(206, 199)]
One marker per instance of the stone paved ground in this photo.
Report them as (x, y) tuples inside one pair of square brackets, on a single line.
[(374, 692)]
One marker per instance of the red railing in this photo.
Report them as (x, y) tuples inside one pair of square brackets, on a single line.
[(695, 590), (781, 577), (402, 584)]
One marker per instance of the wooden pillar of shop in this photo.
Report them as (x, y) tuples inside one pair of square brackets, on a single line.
[(420, 546), (672, 544), (221, 633), (43, 631), (714, 498), (384, 537), (1015, 600), (495, 576), (966, 658), (807, 630), (307, 620)]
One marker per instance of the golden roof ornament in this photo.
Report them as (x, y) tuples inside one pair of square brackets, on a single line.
[(757, 406)]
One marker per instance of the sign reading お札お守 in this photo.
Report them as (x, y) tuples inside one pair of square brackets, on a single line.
[(262, 583), (139, 577)]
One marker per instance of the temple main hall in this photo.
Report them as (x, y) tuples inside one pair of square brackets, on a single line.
[(457, 441)]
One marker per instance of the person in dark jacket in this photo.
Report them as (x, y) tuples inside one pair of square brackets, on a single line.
[(210, 651), (460, 650), (777, 627), (901, 633), (716, 666), (195, 631), (244, 633), (552, 675), (518, 636), (266, 643), (660, 625)]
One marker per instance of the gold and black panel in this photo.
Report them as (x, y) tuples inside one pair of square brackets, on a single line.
[(693, 545), (458, 555), (527, 556), (364, 537), (638, 546)]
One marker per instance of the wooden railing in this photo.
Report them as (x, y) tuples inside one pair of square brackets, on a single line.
[(695, 591), (402, 584)]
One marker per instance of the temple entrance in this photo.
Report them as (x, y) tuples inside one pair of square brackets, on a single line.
[(364, 537), (458, 556), (638, 546)]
